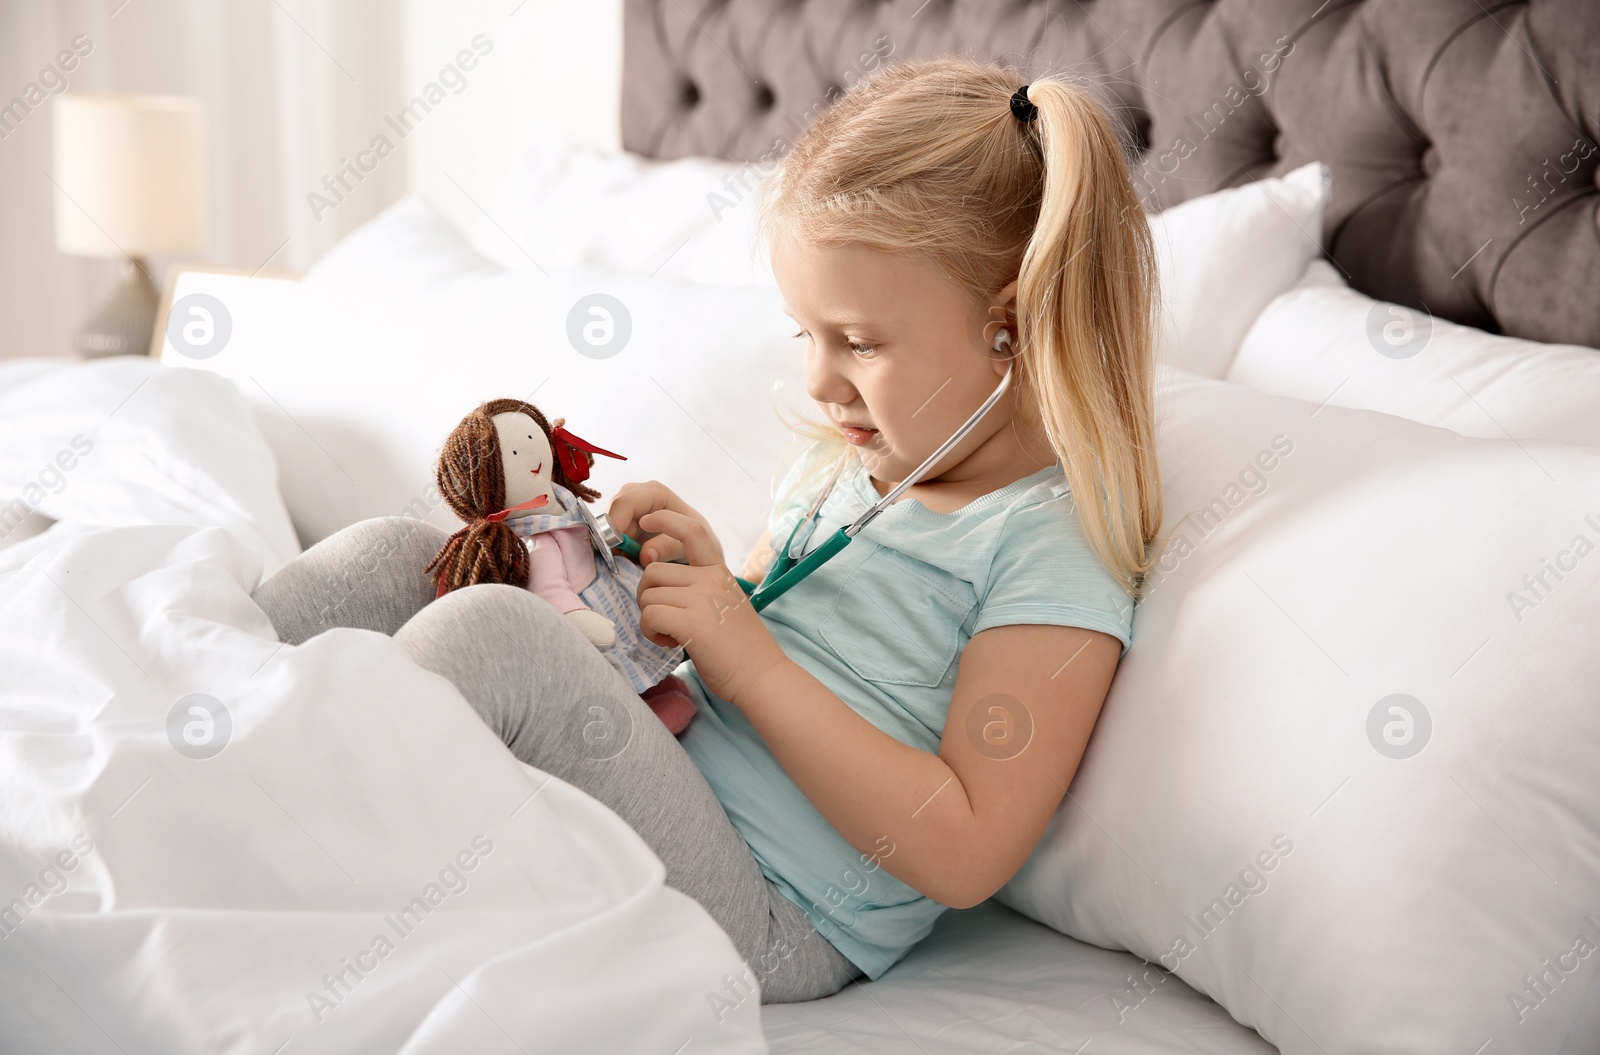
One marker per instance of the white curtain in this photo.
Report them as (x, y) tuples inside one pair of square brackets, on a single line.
[(293, 90)]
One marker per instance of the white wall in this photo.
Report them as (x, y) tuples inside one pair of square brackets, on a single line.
[(290, 87), (293, 90), (556, 62)]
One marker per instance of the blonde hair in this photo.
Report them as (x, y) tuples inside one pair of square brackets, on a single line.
[(927, 157)]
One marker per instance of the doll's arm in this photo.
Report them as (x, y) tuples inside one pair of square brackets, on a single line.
[(548, 574)]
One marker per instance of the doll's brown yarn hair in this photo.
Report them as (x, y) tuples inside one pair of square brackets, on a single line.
[(472, 481)]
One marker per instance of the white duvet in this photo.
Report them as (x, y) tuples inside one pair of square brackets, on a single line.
[(360, 867)]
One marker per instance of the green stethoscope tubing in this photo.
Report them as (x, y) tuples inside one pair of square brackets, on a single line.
[(786, 572)]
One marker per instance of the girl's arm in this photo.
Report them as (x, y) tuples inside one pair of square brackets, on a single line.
[(755, 565), (955, 826)]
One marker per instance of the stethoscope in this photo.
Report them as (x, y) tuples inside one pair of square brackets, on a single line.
[(786, 571)]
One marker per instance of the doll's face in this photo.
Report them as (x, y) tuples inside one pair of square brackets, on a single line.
[(529, 464)]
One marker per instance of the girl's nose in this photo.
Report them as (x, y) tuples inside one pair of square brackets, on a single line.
[(824, 383)]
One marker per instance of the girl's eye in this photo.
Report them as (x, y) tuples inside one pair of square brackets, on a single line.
[(857, 347)]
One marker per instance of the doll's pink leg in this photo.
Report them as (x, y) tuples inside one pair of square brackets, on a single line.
[(671, 701)]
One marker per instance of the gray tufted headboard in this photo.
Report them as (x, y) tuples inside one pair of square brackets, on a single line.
[(1462, 134)]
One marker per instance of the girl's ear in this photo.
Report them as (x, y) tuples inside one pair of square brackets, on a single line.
[(1007, 299)]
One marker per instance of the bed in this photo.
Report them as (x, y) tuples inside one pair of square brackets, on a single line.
[(1393, 325)]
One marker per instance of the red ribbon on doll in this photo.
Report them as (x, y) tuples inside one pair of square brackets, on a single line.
[(573, 464), (532, 503)]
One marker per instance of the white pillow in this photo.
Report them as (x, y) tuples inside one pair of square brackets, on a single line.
[(1325, 342), (401, 329), (1225, 255), (1320, 569), (564, 205), (1222, 256)]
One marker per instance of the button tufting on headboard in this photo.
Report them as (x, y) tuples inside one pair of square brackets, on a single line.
[(1462, 135)]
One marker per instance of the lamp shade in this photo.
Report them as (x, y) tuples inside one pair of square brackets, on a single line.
[(130, 174)]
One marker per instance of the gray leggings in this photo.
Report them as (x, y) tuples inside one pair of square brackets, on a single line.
[(546, 692)]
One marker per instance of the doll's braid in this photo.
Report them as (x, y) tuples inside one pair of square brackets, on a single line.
[(471, 479)]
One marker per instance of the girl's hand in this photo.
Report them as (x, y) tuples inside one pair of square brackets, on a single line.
[(700, 607), (634, 500)]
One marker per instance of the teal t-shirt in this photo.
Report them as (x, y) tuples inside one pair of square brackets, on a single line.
[(882, 625)]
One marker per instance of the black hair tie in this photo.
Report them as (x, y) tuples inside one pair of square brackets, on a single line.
[(1021, 108)]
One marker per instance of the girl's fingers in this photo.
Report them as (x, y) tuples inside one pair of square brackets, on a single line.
[(673, 596), (635, 501), (632, 501), (663, 573), (660, 547), (695, 538), (659, 621)]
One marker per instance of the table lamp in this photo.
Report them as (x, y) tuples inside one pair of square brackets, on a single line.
[(130, 183)]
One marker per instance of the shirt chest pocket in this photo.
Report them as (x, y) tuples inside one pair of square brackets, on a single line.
[(898, 620)]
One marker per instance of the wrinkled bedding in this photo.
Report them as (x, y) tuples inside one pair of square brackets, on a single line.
[(213, 842)]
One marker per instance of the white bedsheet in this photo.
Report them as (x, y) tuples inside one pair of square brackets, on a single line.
[(990, 980), (124, 441), (209, 901)]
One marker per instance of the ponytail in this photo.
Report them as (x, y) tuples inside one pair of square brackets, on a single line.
[(1085, 321)]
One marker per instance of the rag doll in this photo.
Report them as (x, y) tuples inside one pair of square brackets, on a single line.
[(517, 482)]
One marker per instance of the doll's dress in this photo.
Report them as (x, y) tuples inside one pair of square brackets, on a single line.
[(567, 572)]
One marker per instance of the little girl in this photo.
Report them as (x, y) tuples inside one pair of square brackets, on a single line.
[(890, 737)]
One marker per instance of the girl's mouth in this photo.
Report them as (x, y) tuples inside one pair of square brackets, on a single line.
[(859, 437)]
